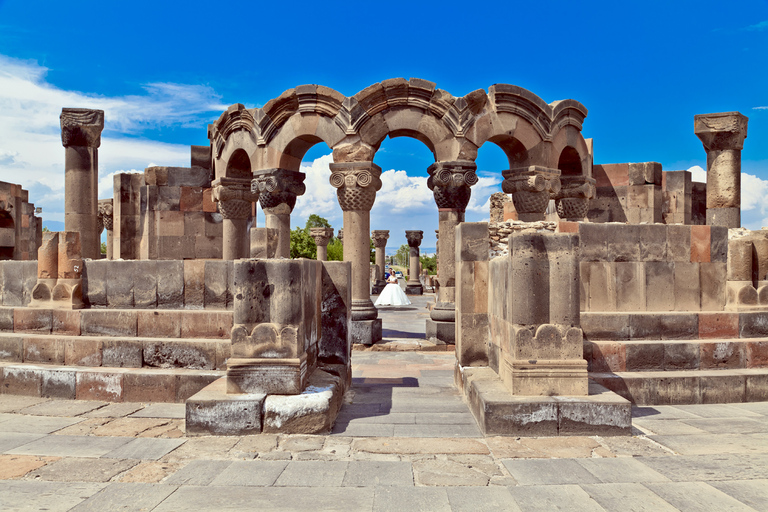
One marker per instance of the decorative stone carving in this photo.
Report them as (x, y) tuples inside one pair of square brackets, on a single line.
[(572, 200), (531, 188), (356, 184), (450, 183), (81, 127), (59, 272), (380, 237), (340, 236), (413, 286), (321, 236), (278, 188), (234, 197), (106, 221)]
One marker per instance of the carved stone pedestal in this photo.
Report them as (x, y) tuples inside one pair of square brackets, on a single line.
[(59, 272)]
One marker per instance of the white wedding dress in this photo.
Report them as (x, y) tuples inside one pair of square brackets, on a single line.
[(392, 295)]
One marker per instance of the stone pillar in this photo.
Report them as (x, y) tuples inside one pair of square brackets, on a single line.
[(356, 184), (106, 215), (321, 236), (380, 237), (278, 189), (81, 136), (450, 183), (413, 286), (234, 198), (723, 137), (341, 236), (531, 188)]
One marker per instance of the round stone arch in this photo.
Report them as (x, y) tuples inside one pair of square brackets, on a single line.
[(570, 152)]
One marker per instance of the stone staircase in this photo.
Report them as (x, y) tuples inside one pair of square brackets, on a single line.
[(112, 354), (679, 358)]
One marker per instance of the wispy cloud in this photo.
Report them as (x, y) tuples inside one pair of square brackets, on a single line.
[(763, 25), (760, 108)]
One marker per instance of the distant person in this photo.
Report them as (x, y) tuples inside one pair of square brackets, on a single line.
[(392, 294)]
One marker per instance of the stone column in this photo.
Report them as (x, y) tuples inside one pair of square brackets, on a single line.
[(234, 198), (723, 137), (105, 213), (278, 189), (341, 236), (356, 184), (321, 236), (413, 286), (450, 182), (531, 188), (81, 136), (380, 237)]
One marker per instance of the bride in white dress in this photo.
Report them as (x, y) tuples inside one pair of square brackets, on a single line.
[(392, 294)]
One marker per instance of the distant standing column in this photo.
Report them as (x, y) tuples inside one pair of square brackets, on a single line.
[(234, 199), (341, 236), (81, 136), (321, 236), (105, 212), (380, 237), (413, 286), (723, 137), (278, 189)]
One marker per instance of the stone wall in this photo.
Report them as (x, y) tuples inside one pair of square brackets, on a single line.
[(20, 230), (17, 279)]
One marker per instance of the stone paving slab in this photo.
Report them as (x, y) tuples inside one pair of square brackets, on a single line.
[(490, 499), (705, 445), (256, 473), (126, 497), (629, 497), (730, 425), (115, 410), (753, 493), (420, 430), (666, 427), (549, 472), (71, 446), (274, 499), (198, 472), (162, 410), (717, 411), (62, 408), (20, 495), (36, 424), (75, 469), (145, 449), (425, 499), (711, 467), (13, 403), (363, 473), (545, 498), (696, 497), (312, 474), (11, 440), (621, 470)]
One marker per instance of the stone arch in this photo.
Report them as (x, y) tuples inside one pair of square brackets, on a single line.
[(569, 162), (238, 165), (569, 143), (7, 225)]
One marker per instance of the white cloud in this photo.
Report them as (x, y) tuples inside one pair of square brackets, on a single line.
[(698, 174), (320, 197), (754, 197), (31, 153)]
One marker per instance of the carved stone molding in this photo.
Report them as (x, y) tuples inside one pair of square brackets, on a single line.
[(721, 131), (278, 189), (321, 235), (234, 197), (380, 237), (450, 183), (572, 201), (356, 184), (105, 213), (531, 187), (81, 127), (414, 238)]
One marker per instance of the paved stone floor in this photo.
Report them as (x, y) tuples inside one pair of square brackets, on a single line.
[(404, 441)]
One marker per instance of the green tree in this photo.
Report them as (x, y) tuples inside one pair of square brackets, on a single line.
[(429, 263), (335, 250), (103, 248), (316, 221), (302, 245), (402, 255)]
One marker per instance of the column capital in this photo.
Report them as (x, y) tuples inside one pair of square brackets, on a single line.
[(572, 201), (720, 131), (380, 237), (278, 189), (450, 183), (414, 237), (105, 213), (340, 236), (321, 235), (356, 184), (531, 187), (234, 197), (81, 127)]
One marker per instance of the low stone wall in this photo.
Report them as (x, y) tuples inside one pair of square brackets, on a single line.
[(17, 279)]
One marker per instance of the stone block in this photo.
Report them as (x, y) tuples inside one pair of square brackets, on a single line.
[(23, 381), (335, 342), (200, 156), (701, 246), (168, 199), (472, 241), (644, 173), (170, 289), (630, 286), (197, 176), (713, 286), (718, 325), (441, 333), (311, 412), (623, 242), (644, 356), (208, 247), (212, 411), (472, 339), (753, 325), (65, 322), (58, 383), (722, 354), (607, 357), (82, 351), (665, 326), (155, 386), (756, 388), (263, 242), (190, 383), (597, 326), (206, 324), (191, 199), (718, 248), (593, 242), (717, 388), (159, 324), (199, 355), (681, 356), (660, 286), (145, 281), (120, 277), (122, 353), (368, 332), (11, 348), (757, 354), (602, 286), (95, 283), (216, 279), (6, 319), (47, 350), (12, 283), (601, 413), (98, 385), (687, 286), (675, 389), (109, 323), (653, 242), (611, 175), (194, 284), (209, 206), (33, 320)]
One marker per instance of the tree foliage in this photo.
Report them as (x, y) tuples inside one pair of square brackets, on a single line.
[(316, 221), (335, 250), (429, 263), (302, 245), (402, 256)]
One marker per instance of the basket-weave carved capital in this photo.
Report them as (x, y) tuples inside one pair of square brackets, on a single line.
[(450, 183), (356, 184), (321, 235), (531, 187), (234, 197), (81, 127), (105, 214), (572, 201)]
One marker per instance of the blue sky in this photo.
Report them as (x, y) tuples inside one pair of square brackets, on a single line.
[(163, 70)]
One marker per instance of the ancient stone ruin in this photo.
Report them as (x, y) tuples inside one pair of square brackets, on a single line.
[(594, 286)]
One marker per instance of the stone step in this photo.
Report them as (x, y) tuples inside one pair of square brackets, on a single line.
[(674, 325), (148, 323), (103, 383), (128, 352), (669, 355), (688, 386)]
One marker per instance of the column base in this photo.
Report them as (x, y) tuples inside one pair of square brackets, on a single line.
[(414, 289), (546, 377), (267, 375), (363, 310), (728, 217), (441, 333), (366, 332)]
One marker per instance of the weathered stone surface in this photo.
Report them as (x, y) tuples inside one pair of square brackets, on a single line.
[(311, 412), (212, 411)]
